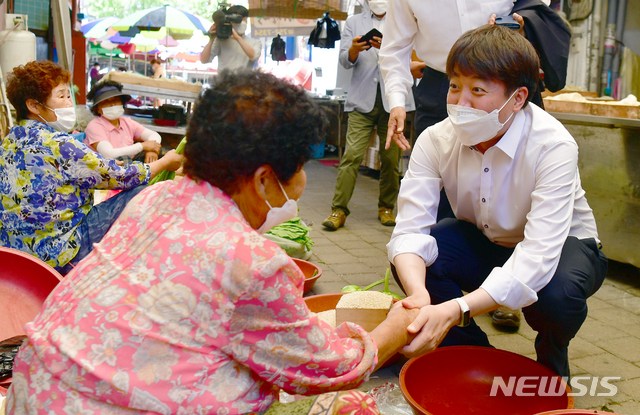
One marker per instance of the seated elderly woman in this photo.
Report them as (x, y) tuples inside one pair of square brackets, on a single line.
[(184, 307), (47, 177), (115, 136)]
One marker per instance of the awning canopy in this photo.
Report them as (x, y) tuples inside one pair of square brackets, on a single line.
[(298, 9)]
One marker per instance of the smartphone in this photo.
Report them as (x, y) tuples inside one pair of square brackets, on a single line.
[(368, 37), (508, 21)]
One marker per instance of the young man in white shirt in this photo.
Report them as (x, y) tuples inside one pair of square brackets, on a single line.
[(524, 235)]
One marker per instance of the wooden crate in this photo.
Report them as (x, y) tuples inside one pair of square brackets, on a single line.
[(601, 109), (155, 83)]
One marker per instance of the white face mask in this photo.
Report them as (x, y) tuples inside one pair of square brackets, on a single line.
[(474, 126), (65, 119), (240, 28), (279, 215), (113, 112), (378, 7)]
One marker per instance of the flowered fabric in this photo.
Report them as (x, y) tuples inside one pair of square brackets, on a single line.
[(46, 182), (351, 402), (182, 308)]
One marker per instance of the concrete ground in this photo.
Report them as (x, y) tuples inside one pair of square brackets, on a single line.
[(608, 343)]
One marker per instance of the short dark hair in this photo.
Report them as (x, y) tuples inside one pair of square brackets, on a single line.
[(154, 60), (496, 53), (97, 87), (248, 119), (34, 80), (96, 63), (241, 10)]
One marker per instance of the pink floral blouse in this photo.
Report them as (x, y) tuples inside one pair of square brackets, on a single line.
[(182, 308)]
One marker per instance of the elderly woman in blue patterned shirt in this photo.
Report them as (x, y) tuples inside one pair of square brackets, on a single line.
[(47, 177)]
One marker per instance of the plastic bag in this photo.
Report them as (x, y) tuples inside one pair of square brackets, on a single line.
[(390, 400)]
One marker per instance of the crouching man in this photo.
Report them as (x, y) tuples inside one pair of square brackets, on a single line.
[(523, 235)]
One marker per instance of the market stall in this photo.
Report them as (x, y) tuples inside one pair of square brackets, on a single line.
[(163, 88), (608, 137)]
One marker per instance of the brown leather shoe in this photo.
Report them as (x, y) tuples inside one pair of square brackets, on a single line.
[(506, 317), (385, 215), (335, 220)]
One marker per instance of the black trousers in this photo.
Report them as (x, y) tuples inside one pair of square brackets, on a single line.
[(465, 259)]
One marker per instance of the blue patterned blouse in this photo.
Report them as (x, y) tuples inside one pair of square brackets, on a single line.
[(46, 186)]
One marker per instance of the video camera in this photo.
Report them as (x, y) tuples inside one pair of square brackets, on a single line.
[(224, 19)]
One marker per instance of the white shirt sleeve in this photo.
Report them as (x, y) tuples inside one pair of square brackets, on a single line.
[(106, 149), (395, 53), (148, 134), (418, 201)]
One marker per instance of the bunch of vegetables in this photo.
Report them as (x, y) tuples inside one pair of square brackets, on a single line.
[(166, 174), (385, 280), (294, 230)]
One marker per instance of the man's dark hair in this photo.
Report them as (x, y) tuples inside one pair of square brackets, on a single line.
[(97, 87), (241, 10), (96, 63), (248, 119), (496, 53)]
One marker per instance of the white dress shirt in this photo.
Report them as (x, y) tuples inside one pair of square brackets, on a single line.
[(523, 192), (431, 27)]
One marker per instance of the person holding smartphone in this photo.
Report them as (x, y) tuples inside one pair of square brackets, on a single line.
[(368, 109)]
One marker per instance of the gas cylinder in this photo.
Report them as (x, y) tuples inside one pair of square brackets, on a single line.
[(19, 45)]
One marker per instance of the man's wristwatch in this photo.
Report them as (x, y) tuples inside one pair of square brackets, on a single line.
[(465, 318)]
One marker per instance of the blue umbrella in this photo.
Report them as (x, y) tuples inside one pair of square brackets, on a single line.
[(179, 24), (96, 29)]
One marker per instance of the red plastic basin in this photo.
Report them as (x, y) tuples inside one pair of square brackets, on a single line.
[(308, 269), (25, 282), (576, 412), (458, 380)]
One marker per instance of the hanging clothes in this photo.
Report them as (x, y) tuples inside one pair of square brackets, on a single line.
[(278, 48), (326, 33)]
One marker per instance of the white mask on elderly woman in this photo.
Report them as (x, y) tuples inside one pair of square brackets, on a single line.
[(279, 215), (113, 112), (65, 118)]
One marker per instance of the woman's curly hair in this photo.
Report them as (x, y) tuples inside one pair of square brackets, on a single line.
[(248, 119), (34, 80), (97, 87)]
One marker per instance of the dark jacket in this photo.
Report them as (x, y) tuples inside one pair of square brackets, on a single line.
[(278, 49), (333, 33), (551, 37)]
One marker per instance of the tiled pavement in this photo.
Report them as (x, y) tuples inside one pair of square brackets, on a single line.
[(608, 343)]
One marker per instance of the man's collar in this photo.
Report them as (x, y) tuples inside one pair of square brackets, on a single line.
[(510, 140)]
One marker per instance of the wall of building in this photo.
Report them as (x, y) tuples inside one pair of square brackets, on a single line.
[(631, 36)]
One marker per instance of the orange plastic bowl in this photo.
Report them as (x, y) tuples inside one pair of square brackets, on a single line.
[(308, 269), (458, 380), (25, 282)]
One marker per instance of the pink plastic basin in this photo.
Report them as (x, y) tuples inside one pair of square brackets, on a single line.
[(25, 282)]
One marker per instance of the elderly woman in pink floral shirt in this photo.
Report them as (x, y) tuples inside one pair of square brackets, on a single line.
[(184, 307)]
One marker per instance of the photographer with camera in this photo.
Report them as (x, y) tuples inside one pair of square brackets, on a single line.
[(228, 42)]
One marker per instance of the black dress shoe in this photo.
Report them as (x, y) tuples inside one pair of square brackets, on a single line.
[(506, 317)]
